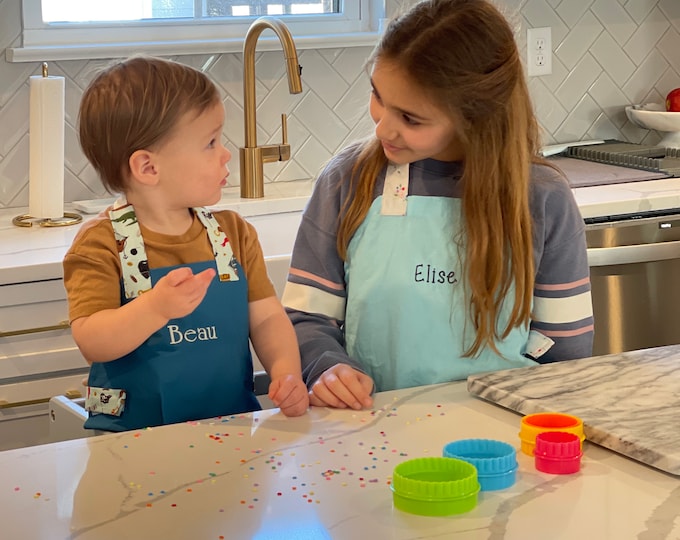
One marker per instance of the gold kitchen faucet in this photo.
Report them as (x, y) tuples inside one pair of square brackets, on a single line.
[(252, 156)]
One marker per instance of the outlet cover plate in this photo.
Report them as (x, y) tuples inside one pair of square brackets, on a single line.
[(539, 51)]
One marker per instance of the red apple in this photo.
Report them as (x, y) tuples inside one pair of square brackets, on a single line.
[(673, 100)]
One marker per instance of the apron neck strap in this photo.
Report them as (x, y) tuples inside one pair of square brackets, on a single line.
[(395, 190)]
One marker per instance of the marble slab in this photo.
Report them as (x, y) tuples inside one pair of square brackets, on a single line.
[(628, 402)]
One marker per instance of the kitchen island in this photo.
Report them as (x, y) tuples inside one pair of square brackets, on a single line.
[(324, 475)]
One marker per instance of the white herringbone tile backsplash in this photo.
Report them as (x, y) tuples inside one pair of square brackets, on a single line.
[(606, 54)]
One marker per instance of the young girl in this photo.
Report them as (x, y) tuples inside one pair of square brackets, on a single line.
[(443, 246), (164, 294)]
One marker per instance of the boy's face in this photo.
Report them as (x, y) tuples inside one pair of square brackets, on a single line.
[(193, 161)]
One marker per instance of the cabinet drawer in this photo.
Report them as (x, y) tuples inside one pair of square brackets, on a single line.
[(32, 293), (38, 357), (35, 339), (32, 307), (33, 318), (21, 394), (24, 409)]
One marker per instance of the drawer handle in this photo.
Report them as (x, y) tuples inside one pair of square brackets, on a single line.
[(4, 404), (63, 325), (637, 253)]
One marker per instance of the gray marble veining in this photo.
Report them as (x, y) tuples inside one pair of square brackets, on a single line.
[(629, 402)]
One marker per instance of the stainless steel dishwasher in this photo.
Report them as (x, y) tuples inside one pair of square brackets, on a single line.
[(635, 277), (634, 258)]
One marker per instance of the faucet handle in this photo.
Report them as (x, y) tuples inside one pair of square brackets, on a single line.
[(277, 152), (284, 147), (284, 128)]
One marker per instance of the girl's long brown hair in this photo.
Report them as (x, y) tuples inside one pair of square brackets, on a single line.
[(462, 53)]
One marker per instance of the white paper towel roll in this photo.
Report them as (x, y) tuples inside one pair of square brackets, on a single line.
[(46, 151)]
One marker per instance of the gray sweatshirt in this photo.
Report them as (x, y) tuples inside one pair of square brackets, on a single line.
[(316, 291)]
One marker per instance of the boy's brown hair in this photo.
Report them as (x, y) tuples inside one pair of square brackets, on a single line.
[(135, 104)]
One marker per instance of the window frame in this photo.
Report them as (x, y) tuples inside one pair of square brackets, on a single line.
[(357, 25)]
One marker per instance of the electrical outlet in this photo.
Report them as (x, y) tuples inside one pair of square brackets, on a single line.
[(539, 51)]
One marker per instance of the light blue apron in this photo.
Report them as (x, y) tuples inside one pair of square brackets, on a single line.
[(407, 317), (195, 367)]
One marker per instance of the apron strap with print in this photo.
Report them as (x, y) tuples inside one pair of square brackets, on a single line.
[(134, 262), (395, 190), (224, 255)]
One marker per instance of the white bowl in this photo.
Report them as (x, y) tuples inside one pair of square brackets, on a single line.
[(655, 116)]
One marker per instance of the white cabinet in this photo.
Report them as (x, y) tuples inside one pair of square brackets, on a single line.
[(38, 359)]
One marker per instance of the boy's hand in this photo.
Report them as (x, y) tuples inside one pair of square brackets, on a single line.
[(289, 393), (342, 386), (180, 291)]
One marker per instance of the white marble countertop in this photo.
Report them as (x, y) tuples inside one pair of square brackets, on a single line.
[(323, 475), (35, 253), (631, 198)]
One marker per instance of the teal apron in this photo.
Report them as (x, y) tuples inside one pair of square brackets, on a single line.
[(195, 367), (407, 318)]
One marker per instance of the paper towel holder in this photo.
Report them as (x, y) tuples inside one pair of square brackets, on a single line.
[(67, 218)]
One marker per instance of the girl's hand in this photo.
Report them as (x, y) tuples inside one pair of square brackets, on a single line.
[(180, 292), (342, 386), (289, 393)]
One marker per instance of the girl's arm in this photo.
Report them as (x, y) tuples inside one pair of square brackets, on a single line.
[(563, 308), (315, 296)]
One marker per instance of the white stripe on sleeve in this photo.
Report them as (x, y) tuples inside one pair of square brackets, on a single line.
[(313, 300), (563, 310)]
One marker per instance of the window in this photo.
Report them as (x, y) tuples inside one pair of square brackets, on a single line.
[(81, 29), (56, 11)]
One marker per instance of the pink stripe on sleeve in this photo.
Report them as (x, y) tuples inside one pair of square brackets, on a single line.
[(568, 333), (562, 286), (316, 279)]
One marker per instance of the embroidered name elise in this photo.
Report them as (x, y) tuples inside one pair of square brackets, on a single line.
[(206, 333), (426, 273)]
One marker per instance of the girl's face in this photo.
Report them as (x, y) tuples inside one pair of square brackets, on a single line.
[(193, 160), (407, 123)]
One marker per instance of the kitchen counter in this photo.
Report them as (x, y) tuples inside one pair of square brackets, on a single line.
[(631, 198), (326, 475), (31, 254), (36, 253)]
